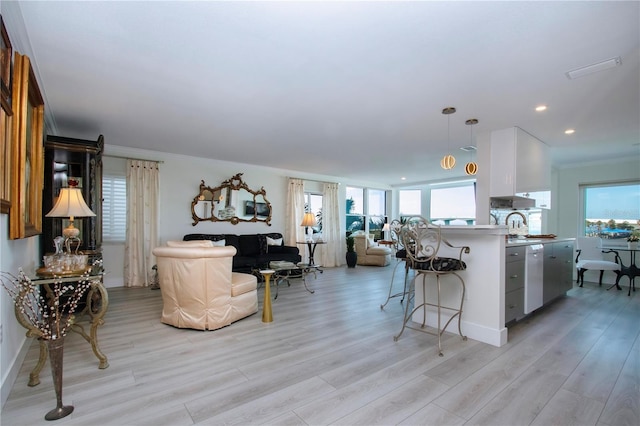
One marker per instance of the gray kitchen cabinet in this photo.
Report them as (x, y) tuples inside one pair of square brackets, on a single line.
[(514, 283), (558, 269)]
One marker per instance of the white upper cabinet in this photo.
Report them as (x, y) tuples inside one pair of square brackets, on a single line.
[(542, 198), (519, 163)]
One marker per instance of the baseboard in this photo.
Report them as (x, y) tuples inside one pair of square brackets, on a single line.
[(495, 337), (14, 369), (112, 281)]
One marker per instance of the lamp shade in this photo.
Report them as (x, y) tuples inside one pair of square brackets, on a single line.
[(309, 219), (471, 168), (386, 227), (448, 162), (70, 203)]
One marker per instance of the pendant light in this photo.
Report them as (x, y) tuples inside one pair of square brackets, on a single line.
[(471, 167), (448, 162)]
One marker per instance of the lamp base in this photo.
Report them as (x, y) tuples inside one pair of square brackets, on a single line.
[(71, 231)]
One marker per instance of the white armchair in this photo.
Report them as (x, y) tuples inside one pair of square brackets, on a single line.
[(369, 253), (199, 290)]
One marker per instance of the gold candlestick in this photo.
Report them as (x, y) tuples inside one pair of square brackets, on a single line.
[(267, 314)]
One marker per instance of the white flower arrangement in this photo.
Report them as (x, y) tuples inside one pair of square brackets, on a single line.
[(48, 312)]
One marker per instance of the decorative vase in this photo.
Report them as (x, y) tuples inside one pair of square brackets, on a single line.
[(352, 259), (56, 347), (633, 245)]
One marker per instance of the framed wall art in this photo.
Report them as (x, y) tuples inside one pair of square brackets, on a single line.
[(25, 215), (5, 65), (5, 118), (5, 160)]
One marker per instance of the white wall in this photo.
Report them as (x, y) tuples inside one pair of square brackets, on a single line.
[(14, 254)]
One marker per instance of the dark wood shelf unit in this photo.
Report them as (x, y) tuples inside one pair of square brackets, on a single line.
[(81, 159)]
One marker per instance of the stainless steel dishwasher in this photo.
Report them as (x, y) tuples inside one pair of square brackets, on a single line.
[(533, 277)]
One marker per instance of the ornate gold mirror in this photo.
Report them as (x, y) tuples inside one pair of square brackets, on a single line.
[(233, 201)]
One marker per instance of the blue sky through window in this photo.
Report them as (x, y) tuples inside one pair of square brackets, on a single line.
[(620, 202)]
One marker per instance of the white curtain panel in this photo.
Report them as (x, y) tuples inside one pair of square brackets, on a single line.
[(142, 222), (293, 232), (334, 249)]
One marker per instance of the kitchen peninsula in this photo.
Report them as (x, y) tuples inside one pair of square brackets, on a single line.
[(483, 317)]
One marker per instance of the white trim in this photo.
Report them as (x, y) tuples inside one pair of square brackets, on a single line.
[(14, 369)]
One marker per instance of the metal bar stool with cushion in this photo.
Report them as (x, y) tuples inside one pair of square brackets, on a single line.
[(424, 243), (401, 256), (591, 256)]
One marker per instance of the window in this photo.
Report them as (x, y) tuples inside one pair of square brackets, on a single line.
[(313, 204), (409, 202), (355, 209), (377, 202), (376, 210), (611, 211), (114, 208), (355, 201), (453, 203), (366, 210)]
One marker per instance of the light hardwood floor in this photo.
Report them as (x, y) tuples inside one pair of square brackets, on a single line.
[(330, 358)]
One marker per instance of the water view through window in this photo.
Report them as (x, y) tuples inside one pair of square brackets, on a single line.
[(612, 212)]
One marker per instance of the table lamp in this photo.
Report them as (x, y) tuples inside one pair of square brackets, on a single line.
[(385, 229), (70, 203), (309, 220)]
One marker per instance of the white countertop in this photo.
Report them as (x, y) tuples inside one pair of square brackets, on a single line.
[(474, 229), (528, 241)]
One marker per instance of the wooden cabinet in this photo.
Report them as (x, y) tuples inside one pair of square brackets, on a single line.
[(66, 158), (558, 269), (514, 283), (519, 163)]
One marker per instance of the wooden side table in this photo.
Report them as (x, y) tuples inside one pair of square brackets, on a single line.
[(386, 243)]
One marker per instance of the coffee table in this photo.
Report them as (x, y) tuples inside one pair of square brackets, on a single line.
[(284, 271)]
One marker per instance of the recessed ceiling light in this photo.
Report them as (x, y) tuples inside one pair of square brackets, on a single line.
[(541, 108), (569, 131), (403, 178)]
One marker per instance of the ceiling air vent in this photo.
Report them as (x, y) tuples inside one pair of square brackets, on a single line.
[(590, 69)]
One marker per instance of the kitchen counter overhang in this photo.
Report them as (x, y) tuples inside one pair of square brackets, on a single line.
[(483, 312), (483, 316)]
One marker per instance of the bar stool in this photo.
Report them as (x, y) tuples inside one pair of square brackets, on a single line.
[(423, 242), (401, 257)]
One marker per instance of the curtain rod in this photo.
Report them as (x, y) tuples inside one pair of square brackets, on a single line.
[(313, 180), (131, 158)]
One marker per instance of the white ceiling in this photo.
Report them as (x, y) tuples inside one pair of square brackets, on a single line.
[(347, 89)]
